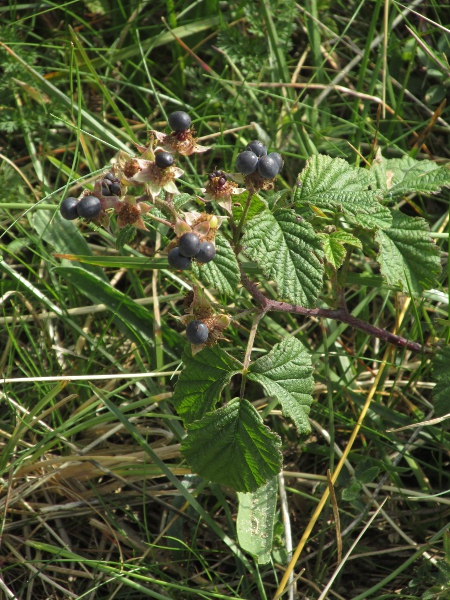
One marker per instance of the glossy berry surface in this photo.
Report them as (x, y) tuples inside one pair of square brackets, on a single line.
[(68, 208), (177, 260), (278, 159), (246, 162), (105, 189), (111, 177), (89, 207), (197, 332), (179, 121), (268, 167), (206, 252), (164, 160), (257, 147), (189, 244)]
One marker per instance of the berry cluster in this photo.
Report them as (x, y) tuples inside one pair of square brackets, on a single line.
[(88, 207), (255, 158), (189, 247)]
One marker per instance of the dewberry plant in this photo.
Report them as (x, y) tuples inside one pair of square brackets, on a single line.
[(300, 245)]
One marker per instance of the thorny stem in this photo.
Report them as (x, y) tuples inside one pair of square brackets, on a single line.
[(339, 314)]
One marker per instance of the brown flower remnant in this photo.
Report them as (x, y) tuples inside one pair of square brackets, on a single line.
[(183, 142), (220, 189), (130, 213)]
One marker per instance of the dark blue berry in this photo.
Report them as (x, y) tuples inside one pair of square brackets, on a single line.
[(164, 160), (197, 332), (189, 244), (111, 177), (68, 208), (115, 189), (89, 207), (257, 148), (278, 158), (179, 121), (268, 167), (246, 162), (105, 189), (177, 260), (206, 252)]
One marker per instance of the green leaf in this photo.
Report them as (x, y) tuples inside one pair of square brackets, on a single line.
[(441, 371), (222, 273), (366, 471), (132, 319), (400, 176), (125, 236), (289, 252), (286, 373), (232, 446), (333, 246), (408, 256), (331, 184), (352, 491), (201, 382), (257, 205), (255, 520)]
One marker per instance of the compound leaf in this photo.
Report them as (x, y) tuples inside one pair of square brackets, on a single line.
[(286, 373), (400, 176), (289, 252), (222, 273), (232, 446), (408, 256), (441, 371), (331, 184), (334, 246), (201, 382), (255, 520)]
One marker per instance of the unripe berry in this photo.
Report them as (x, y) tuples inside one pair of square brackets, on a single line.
[(206, 253), (258, 148), (246, 162), (164, 160), (189, 244), (179, 121), (197, 332), (177, 260), (68, 208), (89, 207)]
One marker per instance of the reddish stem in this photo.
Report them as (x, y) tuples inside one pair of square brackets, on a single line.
[(339, 314)]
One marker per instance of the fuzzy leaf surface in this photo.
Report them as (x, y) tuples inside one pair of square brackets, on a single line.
[(333, 246), (222, 273), (441, 371), (408, 256), (232, 446), (201, 382), (331, 184), (289, 252), (255, 520), (286, 373), (400, 176)]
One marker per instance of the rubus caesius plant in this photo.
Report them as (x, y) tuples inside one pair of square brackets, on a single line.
[(302, 242)]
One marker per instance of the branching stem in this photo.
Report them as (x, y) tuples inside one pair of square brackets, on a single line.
[(339, 314)]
